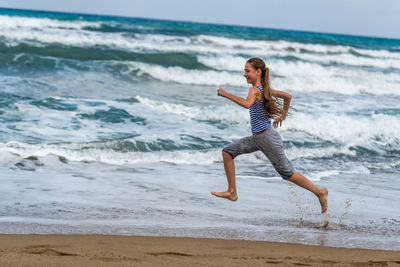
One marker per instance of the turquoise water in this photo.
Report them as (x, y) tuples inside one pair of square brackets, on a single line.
[(113, 125)]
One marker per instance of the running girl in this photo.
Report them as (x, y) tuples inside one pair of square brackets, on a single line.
[(263, 106)]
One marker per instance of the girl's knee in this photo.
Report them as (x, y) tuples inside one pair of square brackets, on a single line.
[(287, 176), (286, 173), (226, 154)]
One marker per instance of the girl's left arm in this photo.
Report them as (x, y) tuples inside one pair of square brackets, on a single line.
[(286, 104)]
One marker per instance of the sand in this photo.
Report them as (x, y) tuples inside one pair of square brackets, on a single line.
[(102, 250)]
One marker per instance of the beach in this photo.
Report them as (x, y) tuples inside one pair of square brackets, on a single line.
[(112, 126), (103, 250)]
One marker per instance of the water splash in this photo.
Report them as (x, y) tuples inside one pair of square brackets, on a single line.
[(347, 205)]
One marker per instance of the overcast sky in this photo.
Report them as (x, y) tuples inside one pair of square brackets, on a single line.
[(379, 18)]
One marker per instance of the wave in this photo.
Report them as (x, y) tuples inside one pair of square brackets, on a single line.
[(39, 31), (126, 153), (267, 47), (184, 76), (188, 69), (288, 76), (350, 132), (110, 153), (313, 176), (55, 118), (57, 56), (198, 59), (28, 55), (39, 43), (93, 137), (13, 22), (343, 61), (197, 45), (295, 76), (208, 113), (96, 152), (311, 134)]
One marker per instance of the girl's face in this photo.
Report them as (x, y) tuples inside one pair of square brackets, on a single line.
[(251, 74)]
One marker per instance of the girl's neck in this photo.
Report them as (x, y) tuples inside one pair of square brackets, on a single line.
[(257, 83)]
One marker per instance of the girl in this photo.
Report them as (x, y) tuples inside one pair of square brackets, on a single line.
[(263, 106)]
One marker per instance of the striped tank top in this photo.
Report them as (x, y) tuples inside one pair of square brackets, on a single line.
[(258, 120)]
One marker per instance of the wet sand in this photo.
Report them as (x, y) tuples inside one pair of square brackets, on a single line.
[(102, 250)]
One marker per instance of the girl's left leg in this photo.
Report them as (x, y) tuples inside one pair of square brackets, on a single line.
[(320, 193)]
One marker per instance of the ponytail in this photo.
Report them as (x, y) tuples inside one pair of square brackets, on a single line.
[(272, 106)]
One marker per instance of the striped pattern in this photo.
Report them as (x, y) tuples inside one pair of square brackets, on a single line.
[(258, 120)]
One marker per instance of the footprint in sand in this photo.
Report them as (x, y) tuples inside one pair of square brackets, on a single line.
[(46, 250)]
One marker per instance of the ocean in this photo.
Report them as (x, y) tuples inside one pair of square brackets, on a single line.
[(112, 125)]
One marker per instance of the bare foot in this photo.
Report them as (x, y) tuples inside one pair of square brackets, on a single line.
[(228, 195), (323, 199)]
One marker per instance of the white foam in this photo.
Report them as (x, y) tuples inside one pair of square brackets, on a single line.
[(37, 123), (67, 126), (75, 152), (221, 62), (344, 132), (184, 76), (55, 125), (339, 129), (327, 152), (58, 126), (358, 170), (268, 48), (319, 70), (210, 112), (45, 30), (95, 152), (351, 60), (317, 176), (313, 176), (295, 76), (17, 22), (259, 177), (307, 77), (317, 61)]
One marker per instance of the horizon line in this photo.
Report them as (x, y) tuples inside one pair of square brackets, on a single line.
[(206, 23)]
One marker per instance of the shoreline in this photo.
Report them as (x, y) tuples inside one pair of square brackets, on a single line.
[(111, 250)]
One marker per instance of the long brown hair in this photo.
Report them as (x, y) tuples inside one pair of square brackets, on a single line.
[(273, 107)]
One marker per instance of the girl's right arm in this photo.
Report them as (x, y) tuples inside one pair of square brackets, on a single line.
[(246, 103)]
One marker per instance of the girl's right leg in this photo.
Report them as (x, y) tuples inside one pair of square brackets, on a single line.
[(229, 167), (242, 146)]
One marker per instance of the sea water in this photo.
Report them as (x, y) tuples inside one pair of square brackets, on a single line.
[(112, 125)]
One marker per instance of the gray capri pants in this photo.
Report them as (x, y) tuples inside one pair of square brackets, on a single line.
[(270, 143)]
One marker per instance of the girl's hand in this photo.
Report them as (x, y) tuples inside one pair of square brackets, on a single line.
[(278, 122), (221, 92)]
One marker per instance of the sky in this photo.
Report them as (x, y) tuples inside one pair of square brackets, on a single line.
[(356, 17)]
